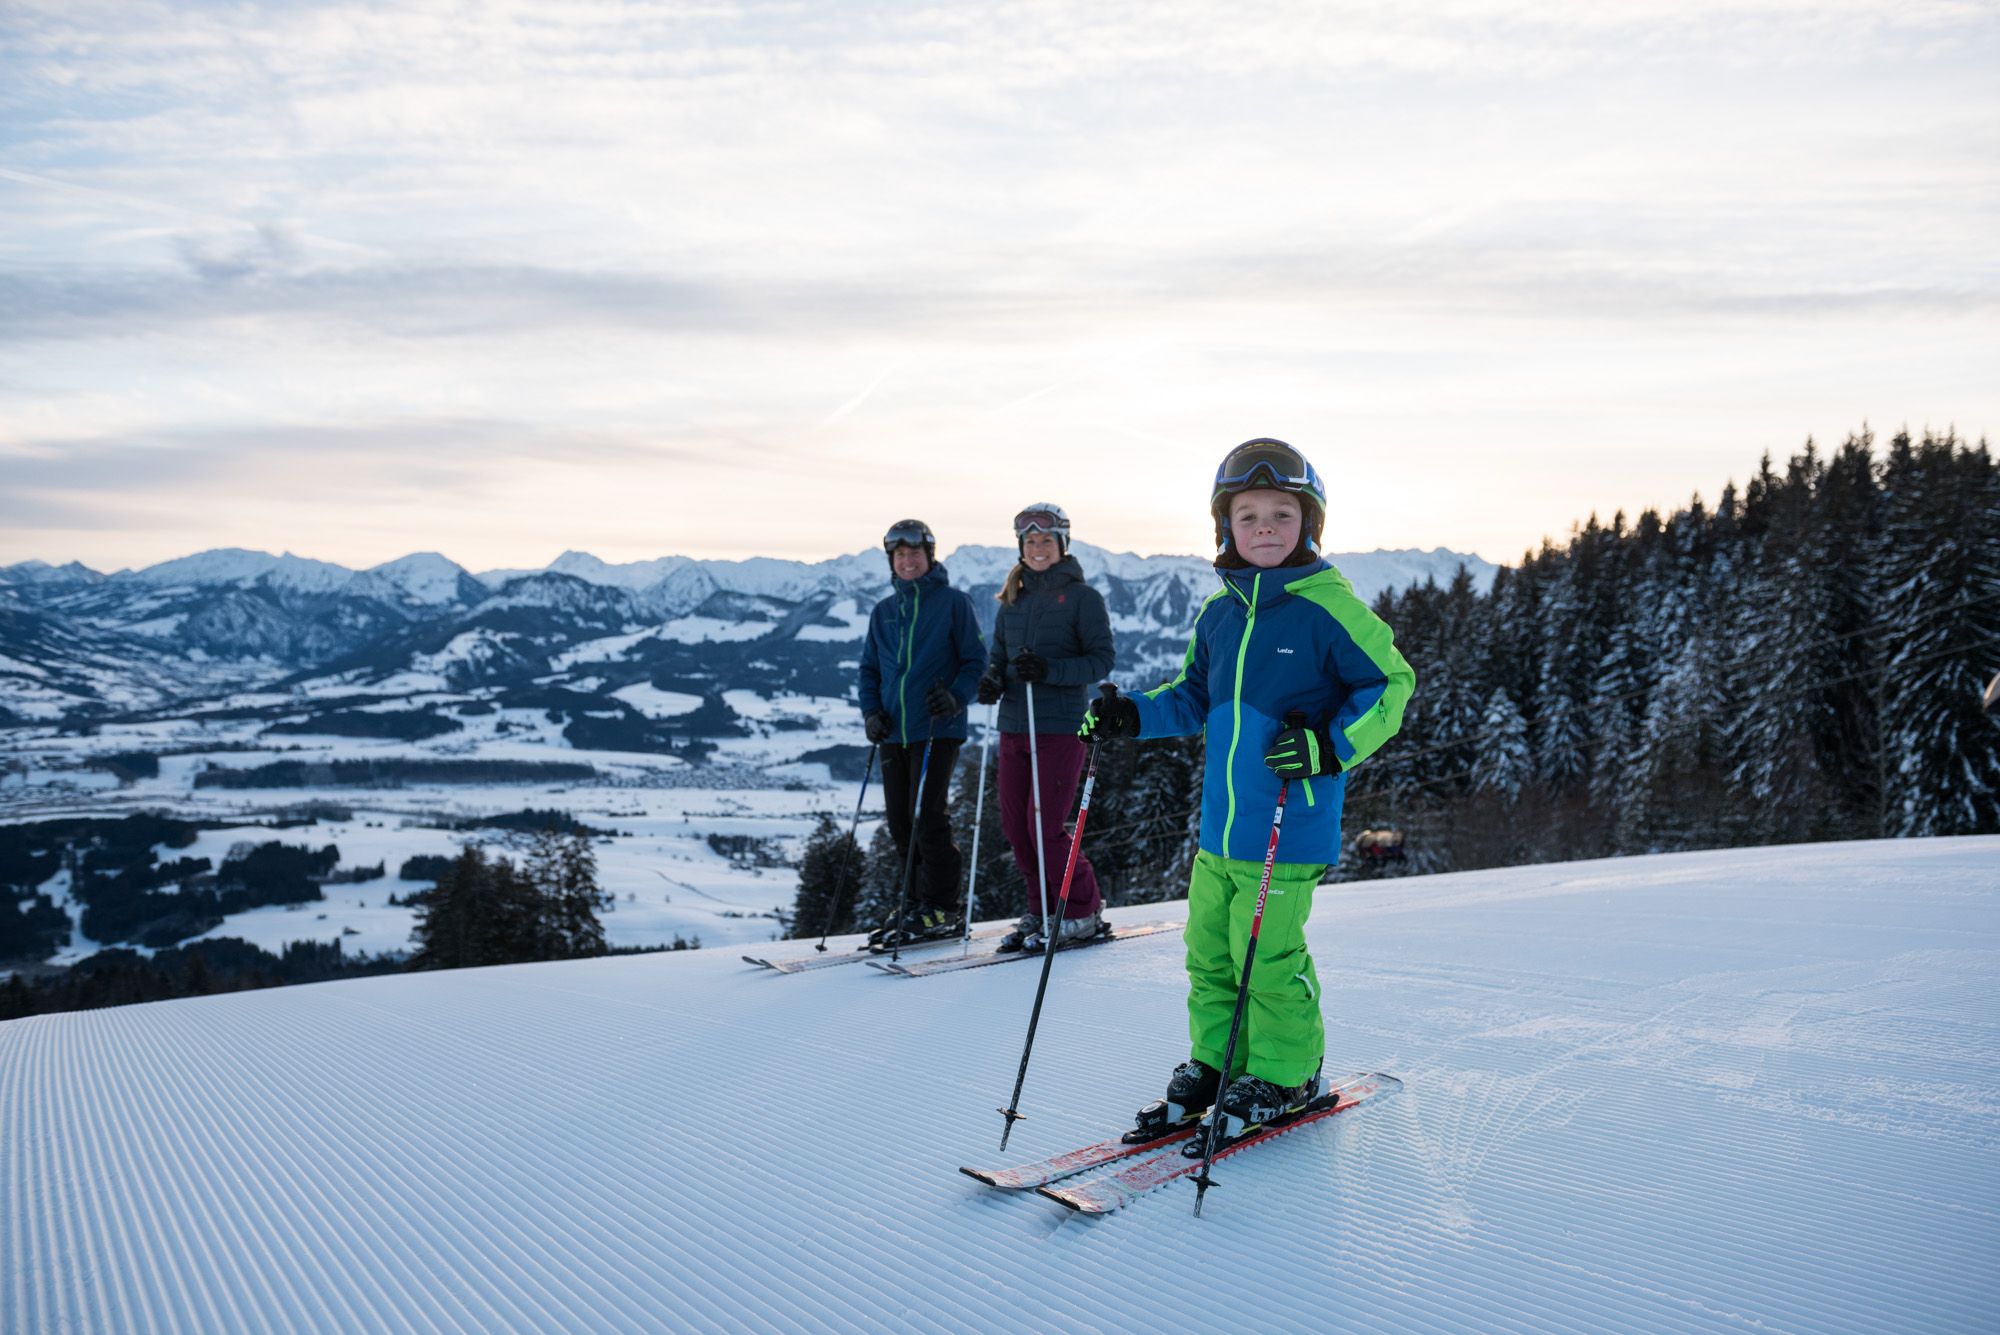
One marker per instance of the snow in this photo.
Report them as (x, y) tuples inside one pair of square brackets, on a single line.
[(653, 702), (235, 565), (606, 649), (850, 616), (426, 578), (1734, 1091), (158, 628), (471, 646), (705, 630)]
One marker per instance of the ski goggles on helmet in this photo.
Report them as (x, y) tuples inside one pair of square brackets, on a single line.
[(908, 533), (1266, 463), (1041, 519)]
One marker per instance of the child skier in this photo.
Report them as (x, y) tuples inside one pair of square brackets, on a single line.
[(1284, 634)]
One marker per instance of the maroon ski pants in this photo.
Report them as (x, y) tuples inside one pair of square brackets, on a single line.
[(1061, 759)]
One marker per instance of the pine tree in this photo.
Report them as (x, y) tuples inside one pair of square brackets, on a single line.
[(1509, 762), (482, 912), (830, 874), (1941, 579), (445, 922), (997, 889), (578, 898), (882, 874)]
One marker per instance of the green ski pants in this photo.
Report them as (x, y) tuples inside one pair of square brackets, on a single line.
[(1283, 1038)]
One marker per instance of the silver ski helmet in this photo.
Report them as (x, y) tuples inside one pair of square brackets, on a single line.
[(909, 533), (1267, 462), (1042, 517)]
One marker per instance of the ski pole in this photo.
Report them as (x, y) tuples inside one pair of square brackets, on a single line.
[(978, 816), (910, 856), (853, 832), (1035, 789), (1202, 1182), (1052, 927)]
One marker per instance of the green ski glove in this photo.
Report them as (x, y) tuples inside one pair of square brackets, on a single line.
[(1301, 753)]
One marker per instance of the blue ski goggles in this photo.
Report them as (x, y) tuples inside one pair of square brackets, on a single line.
[(1267, 463)]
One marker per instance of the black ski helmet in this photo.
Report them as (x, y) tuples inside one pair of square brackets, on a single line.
[(909, 533), (1042, 517), (1267, 462)]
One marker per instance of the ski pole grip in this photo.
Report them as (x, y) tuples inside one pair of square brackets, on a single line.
[(1108, 693)]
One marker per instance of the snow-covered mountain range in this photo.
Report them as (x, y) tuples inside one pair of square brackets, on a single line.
[(1741, 1091), (76, 644)]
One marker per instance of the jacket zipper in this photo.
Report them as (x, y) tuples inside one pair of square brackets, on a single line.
[(1242, 651), (903, 680)]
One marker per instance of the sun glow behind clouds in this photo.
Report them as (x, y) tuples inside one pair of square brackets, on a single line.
[(357, 280)]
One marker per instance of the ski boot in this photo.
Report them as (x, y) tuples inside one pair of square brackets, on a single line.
[(1071, 932), (1027, 926), (927, 925), (1253, 1104), (938, 925), (1189, 1093)]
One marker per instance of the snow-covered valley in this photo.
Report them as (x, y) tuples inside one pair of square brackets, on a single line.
[(1731, 1091)]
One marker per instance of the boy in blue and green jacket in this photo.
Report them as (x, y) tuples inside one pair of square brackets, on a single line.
[(1284, 635)]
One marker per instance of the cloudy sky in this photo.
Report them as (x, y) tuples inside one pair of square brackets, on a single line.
[(354, 280)]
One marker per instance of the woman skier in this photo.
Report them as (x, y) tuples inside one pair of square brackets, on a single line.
[(1051, 637)]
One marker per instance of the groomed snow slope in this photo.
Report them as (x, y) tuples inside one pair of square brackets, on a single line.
[(1741, 1091)]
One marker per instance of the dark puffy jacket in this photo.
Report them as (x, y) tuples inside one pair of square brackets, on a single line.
[(1062, 619), (922, 634)]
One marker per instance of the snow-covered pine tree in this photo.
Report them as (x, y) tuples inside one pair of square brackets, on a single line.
[(1138, 820), (1940, 573), (1561, 725), (998, 891), (1847, 547), (1509, 761), (1683, 795), (1782, 621)]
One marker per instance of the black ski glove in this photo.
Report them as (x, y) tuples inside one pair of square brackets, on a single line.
[(1301, 753), (879, 725), (1110, 716), (991, 687), (941, 703), (1030, 667)]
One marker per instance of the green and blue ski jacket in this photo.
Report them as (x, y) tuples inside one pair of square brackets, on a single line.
[(1264, 644)]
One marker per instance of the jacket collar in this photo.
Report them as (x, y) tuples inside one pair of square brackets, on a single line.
[(1244, 584), (1065, 571), (929, 582)]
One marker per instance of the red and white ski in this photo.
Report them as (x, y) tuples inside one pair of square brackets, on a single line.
[(1115, 1190)]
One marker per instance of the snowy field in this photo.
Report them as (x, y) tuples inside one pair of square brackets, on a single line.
[(656, 862), (1743, 1091)]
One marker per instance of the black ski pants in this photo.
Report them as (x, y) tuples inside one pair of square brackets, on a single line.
[(935, 881)]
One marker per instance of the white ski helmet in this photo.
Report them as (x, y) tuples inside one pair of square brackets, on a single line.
[(1043, 517)]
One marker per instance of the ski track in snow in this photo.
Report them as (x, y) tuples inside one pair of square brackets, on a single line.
[(1748, 1091)]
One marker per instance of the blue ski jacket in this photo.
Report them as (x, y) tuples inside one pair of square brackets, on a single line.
[(923, 634), (1264, 644)]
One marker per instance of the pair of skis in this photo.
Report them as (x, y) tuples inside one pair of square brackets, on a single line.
[(1156, 1162), (934, 961), (980, 959), (860, 954)]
